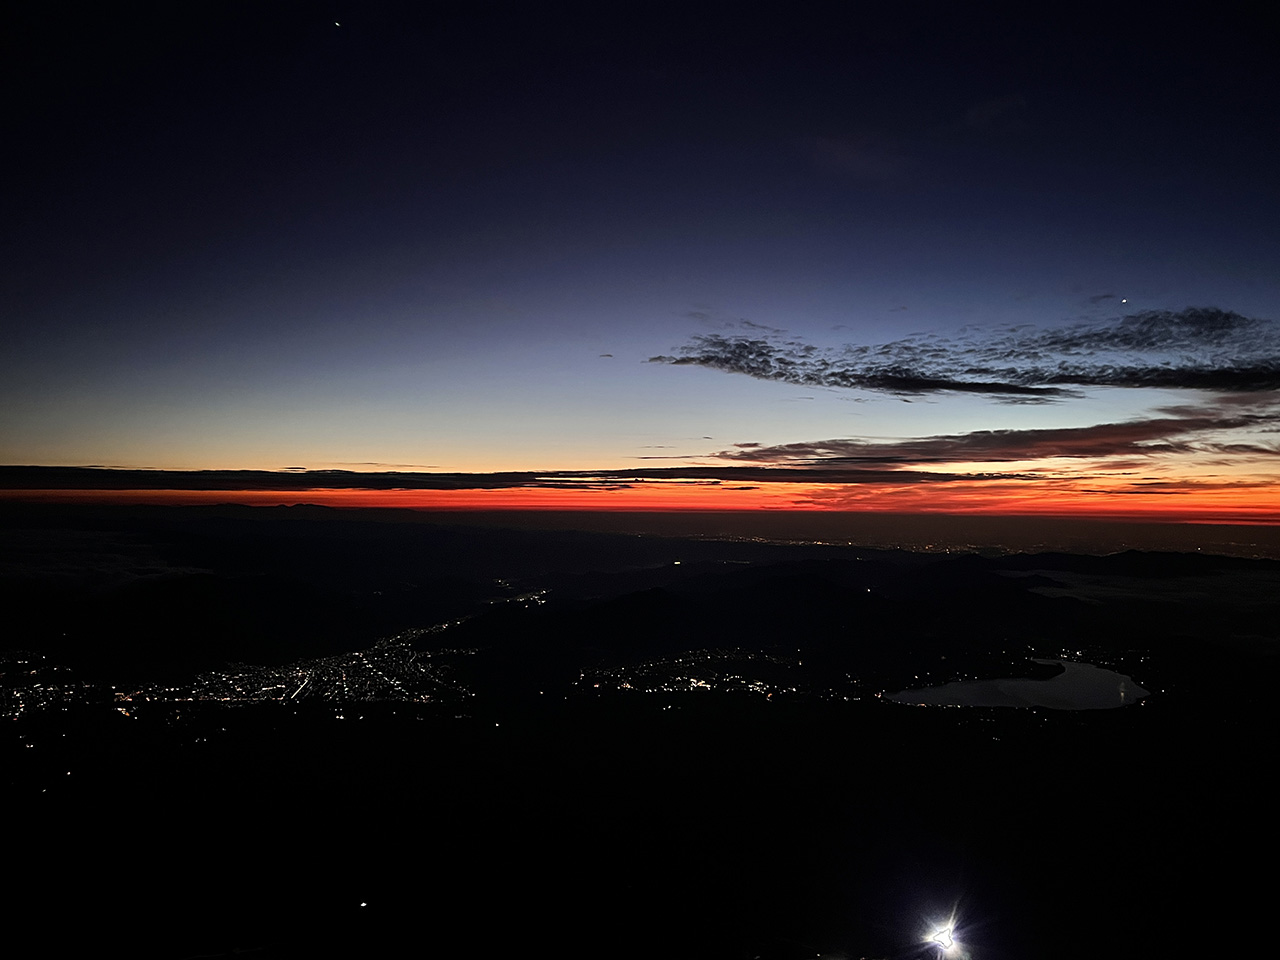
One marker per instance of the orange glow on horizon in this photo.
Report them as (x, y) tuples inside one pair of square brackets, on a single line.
[(1191, 502)]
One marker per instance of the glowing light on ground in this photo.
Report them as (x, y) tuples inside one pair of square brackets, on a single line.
[(944, 939)]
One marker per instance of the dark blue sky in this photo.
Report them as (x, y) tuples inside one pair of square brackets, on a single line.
[(244, 236)]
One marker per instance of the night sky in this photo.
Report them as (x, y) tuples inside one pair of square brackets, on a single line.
[(919, 257)]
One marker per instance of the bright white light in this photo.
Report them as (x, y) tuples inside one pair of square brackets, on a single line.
[(944, 939)]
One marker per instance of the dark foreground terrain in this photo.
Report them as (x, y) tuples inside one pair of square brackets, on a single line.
[(302, 733)]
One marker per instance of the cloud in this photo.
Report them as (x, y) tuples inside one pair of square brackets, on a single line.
[(751, 325), (1202, 348), (800, 364), (1227, 430), (377, 463), (1164, 436), (28, 478)]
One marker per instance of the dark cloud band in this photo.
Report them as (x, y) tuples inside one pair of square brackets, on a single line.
[(22, 478), (1161, 436)]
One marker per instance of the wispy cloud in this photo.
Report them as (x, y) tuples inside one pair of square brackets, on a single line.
[(1202, 348), (1163, 436)]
